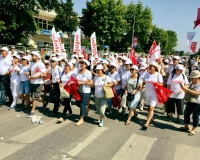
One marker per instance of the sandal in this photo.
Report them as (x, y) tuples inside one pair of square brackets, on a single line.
[(192, 133), (127, 122), (184, 128), (144, 127)]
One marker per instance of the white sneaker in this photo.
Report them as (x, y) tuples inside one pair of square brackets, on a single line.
[(101, 123)]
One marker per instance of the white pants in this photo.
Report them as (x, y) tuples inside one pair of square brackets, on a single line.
[(15, 92), (123, 100)]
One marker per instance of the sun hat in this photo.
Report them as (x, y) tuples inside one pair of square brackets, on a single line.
[(180, 67), (134, 67), (26, 57), (195, 74), (176, 57), (154, 64), (54, 59), (35, 53), (4, 49), (84, 60)]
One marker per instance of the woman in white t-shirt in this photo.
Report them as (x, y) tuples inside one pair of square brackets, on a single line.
[(116, 79), (85, 82), (25, 82), (66, 101), (193, 102), (176, 98), (14, 80), (100, 102), (153, 76), (134, 88)]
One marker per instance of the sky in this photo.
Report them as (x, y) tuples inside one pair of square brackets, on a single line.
[(176, 15)]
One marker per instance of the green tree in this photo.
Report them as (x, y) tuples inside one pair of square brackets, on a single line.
[(106, 18), (172, 41), (66, 19), (17, 18)]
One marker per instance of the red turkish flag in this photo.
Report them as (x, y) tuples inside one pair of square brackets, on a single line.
[(72, 88), (132, 56), (153, 47), (84, 54), (193, 46), (197, 22)]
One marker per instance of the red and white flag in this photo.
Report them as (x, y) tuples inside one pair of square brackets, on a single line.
[(155, 53), (154, 45), (93, 48), (77, 42), (59, 40), (132, 56), (56, 43), (193, 47), (197, 22)]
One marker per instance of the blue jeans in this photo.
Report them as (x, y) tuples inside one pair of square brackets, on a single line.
[(110, 100), (25, 87), (83, 103), (192, 108), (5, 88)]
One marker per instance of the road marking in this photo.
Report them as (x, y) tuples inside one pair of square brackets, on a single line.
[(184, 152), (94, 135), (136, 146), (39, 132), (7, 148)]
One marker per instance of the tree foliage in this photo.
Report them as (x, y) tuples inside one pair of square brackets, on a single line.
[(17, 18), (172, 41), (66, 19)]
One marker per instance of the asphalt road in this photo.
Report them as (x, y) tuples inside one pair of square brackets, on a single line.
[(163, 140)]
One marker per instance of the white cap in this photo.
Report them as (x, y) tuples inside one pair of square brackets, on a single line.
[(58, 53), (54, 59), (176, 57), (26, 57), (21, 52), (128, 61), (74, 56), (70, 64), (96, 56), (35, 53), (119, 57), (60, 58), (53, 55), (84, 60), (134, 67), (143, 66), (99, 67), (12, 47), (81, 56), (27, 51), (105, 54), (92, 59), (166, 61), (108, 59), (45, 61), (154, 64), (72, 61), (180, 67), (105, 62), (113, 64), (17, 56), (4, 49), (124, 58)]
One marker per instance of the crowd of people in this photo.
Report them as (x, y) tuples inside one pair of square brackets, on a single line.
[(28, 75)]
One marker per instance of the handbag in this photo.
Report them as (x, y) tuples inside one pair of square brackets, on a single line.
[(108, 92), (80, 89), (189, 97), (131, 97), (63, 93)]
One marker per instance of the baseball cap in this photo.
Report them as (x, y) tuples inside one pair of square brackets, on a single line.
[(21, 52), (176, 57), (54, 59), (74, 56), (105, 54), (134, 67), (26, 57), (143, 66), (81, 56), (99, 67), (124, 58), (4, 49), (70, 64), (84, 60), (113, 64), (180, 67), (128, 61), (12, 47), (73, 61), (17, 56), (105, 62), (60, 58), (153, 64), (36, 53)]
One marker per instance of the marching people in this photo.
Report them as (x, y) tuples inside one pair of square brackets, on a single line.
[(14, 81), (100, 101), (193, 102), (176, 98), (84, 78), (25, 82), (133, 91), (152, 76)]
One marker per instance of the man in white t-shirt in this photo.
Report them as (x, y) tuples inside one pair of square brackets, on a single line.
[(5, 64), (36, 75)]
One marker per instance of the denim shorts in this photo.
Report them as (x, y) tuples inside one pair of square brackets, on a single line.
[(25, 87)]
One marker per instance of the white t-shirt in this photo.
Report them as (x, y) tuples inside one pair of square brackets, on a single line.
[(56, 73), (22, 72), (85, 77), (98, 83), (114, 78), (132, 86), (175, 85), (142, 73), (14, 74), (171, 68), (5, 64), (149, 79), (125, 78), (65, 77), (75, 71), (36, 70), (198, 90), (122, 69)]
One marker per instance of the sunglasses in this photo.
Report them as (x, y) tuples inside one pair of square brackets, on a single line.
[(46, 64), (23, 59)]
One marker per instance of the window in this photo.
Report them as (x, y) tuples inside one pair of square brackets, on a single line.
[(40, 43)]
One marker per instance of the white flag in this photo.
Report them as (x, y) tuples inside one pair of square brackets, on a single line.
[(156, 54), (59, 40), (93, 48), (56, 43), (77, 42)]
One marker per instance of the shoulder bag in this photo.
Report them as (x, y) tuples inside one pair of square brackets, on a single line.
[(108, 92)]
